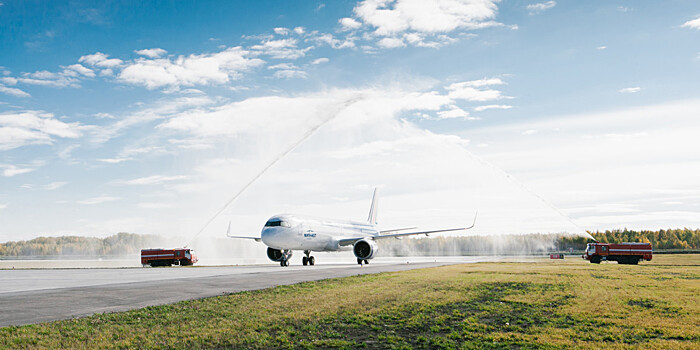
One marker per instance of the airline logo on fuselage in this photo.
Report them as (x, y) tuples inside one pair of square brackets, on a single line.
[(311, 235)]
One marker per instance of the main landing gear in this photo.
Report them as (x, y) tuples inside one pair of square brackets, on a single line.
[(308, 260), (360, 261)]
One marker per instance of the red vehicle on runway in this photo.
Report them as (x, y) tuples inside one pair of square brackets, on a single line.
[(623, 253), (168, 257)]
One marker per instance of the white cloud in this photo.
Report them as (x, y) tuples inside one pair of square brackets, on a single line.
[(113, 160), (66, 78), (299, 30), (320, 60), (159, 110), (13, 91), (630, 90), (624, 9), (601, 48), (216, 68), (441, 16), (99, 59), (10, 170), (151, 53), (483, 82), (534, 9), (486, 107), (463, 91), (99, 200), (3, 206), (349, 23), (281, 31), (281, 49), (19, 129), (391, 43), (290, 74), (693, 24), (283, 66), (48, 187), (153, 180), (78, 68), (329, 39), (454, 112), (8, 80)]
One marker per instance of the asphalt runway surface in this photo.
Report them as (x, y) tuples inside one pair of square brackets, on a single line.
[(29, 296)]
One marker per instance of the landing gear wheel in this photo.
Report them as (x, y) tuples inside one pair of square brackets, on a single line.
[(284, 263), (366, 262), (311, 260), (304, 261), (359, 261)]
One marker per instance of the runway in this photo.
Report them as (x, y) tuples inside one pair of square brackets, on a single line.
[(40, 295)]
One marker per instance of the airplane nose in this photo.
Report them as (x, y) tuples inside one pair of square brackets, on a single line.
[(268, 236)]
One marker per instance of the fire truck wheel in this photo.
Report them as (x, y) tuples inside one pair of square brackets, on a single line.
[(595, 260)]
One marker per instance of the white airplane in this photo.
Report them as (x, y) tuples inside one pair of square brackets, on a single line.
[(284, 233)]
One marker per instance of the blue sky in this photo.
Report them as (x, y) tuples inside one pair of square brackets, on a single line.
[(148, 117)]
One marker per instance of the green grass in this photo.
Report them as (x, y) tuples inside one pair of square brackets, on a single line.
[(538, 305)]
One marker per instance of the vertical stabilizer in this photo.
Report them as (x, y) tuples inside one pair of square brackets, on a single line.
[(372, 218)]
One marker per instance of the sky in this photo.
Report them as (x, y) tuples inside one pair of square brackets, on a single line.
[(148, 117)]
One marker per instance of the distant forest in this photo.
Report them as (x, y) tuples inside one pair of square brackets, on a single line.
[(128, 244), (119, 244)]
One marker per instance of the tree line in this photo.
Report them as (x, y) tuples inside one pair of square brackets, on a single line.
[(124, 243)]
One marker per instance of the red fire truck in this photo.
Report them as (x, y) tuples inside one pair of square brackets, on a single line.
[(167, 257), (623, 253)]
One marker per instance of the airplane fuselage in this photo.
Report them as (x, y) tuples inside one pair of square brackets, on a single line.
[(294, 232)]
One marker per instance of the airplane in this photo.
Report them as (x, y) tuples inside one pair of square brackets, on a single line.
[(284, 233)]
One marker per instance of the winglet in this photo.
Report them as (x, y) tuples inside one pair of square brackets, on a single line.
[(474, 222), (228, 234), (372, 217)]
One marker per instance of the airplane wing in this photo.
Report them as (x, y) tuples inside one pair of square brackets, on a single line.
[(228, 234), (257, 239), (396, 230), (349, 241)]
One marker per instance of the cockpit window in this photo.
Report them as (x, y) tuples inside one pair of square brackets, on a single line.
[(276, 222)]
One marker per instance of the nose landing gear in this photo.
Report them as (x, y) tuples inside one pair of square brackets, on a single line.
[(286, 255), (308, 260)]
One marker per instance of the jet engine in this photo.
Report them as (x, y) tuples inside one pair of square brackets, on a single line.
[(365, 249), (278, 255)]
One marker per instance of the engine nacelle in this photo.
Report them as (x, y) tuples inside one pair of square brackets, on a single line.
[(365, 249), (278, 255)]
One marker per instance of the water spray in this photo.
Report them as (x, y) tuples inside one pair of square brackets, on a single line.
[(332, 115), (528, 190)]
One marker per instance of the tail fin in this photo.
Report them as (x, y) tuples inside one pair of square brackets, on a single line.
[(372, 218)]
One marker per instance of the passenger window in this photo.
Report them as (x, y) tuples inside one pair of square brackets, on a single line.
[(605, 249)]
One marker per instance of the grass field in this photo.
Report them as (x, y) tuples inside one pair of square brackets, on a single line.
[(544, 304)]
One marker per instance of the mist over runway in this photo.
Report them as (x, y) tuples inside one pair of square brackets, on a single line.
[(40, 295)]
